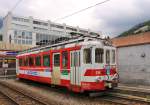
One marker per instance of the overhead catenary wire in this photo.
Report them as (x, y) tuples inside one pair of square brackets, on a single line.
[(81, 10), (14, 7)]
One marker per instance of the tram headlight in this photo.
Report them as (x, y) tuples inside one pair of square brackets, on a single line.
[(98, 79)]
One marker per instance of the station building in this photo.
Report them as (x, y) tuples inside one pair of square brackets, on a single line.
[(30, 31), (133, 58), (8, 54)]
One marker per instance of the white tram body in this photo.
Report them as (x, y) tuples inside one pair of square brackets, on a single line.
[(84, 64)]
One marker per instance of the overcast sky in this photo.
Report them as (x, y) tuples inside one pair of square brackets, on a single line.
[(111, 18)]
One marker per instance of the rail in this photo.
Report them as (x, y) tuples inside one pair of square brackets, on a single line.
[(22, 95)]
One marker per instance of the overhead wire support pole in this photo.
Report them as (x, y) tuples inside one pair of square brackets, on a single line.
[(81, 10)]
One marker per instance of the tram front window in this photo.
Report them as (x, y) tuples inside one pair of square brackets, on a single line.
[(87, 54), (113, 56), (107, 57), (99, 52)]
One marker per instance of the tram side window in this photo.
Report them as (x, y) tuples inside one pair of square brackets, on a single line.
[(65, 59), (57, 60), (26, 60), (99, 55), (107, 57), (87, 54), (38, 61), (46, 60), (20, 62), (113, 56), (31, 61)]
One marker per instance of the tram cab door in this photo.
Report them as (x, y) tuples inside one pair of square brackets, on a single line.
[(56, 74), (75, 68)]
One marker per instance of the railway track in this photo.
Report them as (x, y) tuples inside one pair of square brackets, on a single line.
[(5, 100), (139, 92), (112, 98), (17, 97), (124, 99), (121, 99), (130, 96), (115, 98)]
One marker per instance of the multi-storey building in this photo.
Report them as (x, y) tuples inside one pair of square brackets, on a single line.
[(30, 31)]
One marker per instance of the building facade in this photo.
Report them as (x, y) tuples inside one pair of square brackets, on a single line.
[(133, 58), (8, 54), (30, 31)]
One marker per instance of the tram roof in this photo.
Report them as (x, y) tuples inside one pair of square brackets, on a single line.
[(80, 40)]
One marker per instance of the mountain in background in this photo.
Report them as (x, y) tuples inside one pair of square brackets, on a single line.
[(140, 28)]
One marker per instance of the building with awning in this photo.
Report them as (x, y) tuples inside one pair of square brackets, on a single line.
[(8, 54)]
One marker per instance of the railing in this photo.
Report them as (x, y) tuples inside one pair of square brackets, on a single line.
[(7, 72)]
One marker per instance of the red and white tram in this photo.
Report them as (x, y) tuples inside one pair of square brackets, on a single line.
[(83, 64)]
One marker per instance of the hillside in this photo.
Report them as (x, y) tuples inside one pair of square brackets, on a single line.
[(142, 27)]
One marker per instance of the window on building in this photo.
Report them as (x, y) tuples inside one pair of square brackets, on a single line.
[(23, 34), (99, 52), (46, 60), (113, 56), (19, 41), (20, 19), (65, 59), (31, 61), (23, 41), (30, 42), (107, 57), (58, 26), (87, 54), (83, 31), (15, 32), (40, 23), (71, 29), (57, 60), (38, 61)]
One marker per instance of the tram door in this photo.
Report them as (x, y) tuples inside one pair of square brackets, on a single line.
[(75, 68), (56, 74)]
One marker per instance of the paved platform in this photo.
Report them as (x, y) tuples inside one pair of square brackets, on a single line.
[(8, 76)]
